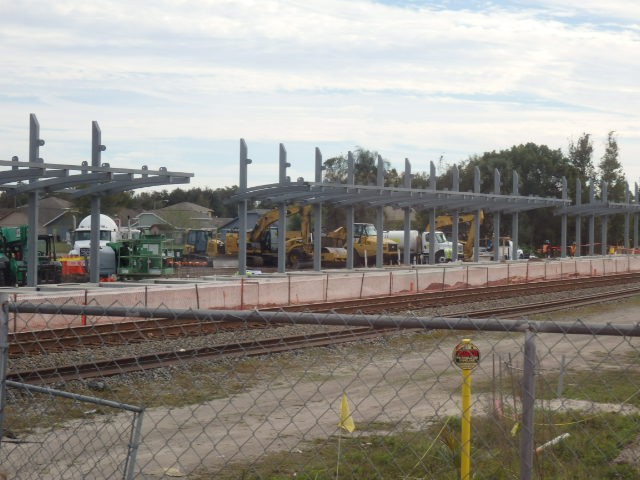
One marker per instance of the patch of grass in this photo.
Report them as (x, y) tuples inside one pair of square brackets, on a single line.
[(434, 453), (192, 383), (602, 386), (49, 414)]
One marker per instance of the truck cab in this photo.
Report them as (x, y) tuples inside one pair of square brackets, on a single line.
[(505, 249), (109, 232)]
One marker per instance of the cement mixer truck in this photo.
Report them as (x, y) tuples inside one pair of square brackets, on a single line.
[(74, 265), (419, 245), (110, 231)]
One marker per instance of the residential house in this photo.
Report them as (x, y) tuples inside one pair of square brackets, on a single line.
[(252, 218), (174, 220), (56, 216)]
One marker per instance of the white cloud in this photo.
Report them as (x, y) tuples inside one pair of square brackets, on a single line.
[(174, 76)]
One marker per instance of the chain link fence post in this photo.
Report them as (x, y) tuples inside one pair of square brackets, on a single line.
[(4, 356), (528, 405)]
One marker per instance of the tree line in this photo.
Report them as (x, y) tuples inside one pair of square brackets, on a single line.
[(540, 169)]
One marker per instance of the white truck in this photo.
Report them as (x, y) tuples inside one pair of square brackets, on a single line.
[(419, 245), (504, 249), (110, 231)]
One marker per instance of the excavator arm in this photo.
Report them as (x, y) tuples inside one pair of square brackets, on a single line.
[(268, 219), (470, 218), (447, 220)]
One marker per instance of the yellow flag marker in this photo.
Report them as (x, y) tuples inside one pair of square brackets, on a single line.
[(346, 420)]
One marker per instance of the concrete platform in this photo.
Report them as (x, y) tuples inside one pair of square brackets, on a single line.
[(232, 292)]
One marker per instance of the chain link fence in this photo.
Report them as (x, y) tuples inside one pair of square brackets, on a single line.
[(549, 399)]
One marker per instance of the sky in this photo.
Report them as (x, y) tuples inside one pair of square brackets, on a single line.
[(178, 83)]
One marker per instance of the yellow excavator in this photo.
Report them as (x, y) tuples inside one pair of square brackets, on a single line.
[(470, 218), (263, 242)]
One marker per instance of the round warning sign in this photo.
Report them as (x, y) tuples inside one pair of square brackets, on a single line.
[(466, 355)]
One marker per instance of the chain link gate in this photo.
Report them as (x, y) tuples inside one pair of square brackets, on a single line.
[(549, 399)]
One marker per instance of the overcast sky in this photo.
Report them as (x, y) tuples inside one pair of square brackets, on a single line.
[(176, 84)]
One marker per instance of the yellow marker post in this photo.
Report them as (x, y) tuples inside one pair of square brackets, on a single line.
[(466, 356)]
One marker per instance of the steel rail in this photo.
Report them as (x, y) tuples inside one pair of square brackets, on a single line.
[(362, 326), (456, 296), (58, 339), (163, 359)]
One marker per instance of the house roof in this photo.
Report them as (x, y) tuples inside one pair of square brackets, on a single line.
[(55, 202), (51, 209), (252, 219), (185, 215), (186, 207)]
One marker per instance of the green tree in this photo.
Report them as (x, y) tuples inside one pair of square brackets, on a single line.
[(540, 170), (610, 170), (109, 204), (580, 157), (365, 173)]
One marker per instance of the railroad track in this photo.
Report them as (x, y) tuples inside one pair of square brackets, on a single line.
[(140, 330), (417, 301), (281, 344), (35, 342), (164, 359)]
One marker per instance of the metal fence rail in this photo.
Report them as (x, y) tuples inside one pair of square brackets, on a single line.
[(549, 400)]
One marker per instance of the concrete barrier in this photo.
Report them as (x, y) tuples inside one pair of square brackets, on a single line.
[(232, 293)]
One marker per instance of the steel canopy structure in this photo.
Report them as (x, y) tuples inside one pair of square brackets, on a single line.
[(603, 208), (379, 196), (36, 178)]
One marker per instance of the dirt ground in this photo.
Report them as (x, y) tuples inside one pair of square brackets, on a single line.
[(285, 413)]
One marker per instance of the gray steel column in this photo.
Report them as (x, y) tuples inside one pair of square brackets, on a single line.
[(242, 210), (432, 216), (35, 142), (604, 223), (627, 218), (406, 255), (578, 217), (635, 220), (96, 161), (496, 218), (282, 208), (350, 212), (528, 407), (563, 221), (456, 216), (380, 216), (4, 358), (592, 222), (476, 240), (515, 219), (317, 218)]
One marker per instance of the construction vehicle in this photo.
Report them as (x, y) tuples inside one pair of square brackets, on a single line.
[(365, 244), (109, 232), (505, 249), (419, 245), (263, 242), (485, 251), (144, 257), (14, 254), (74, 264), (443, 221), (202, 245)]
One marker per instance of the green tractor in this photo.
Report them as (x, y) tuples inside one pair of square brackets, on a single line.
[(13, 257)]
